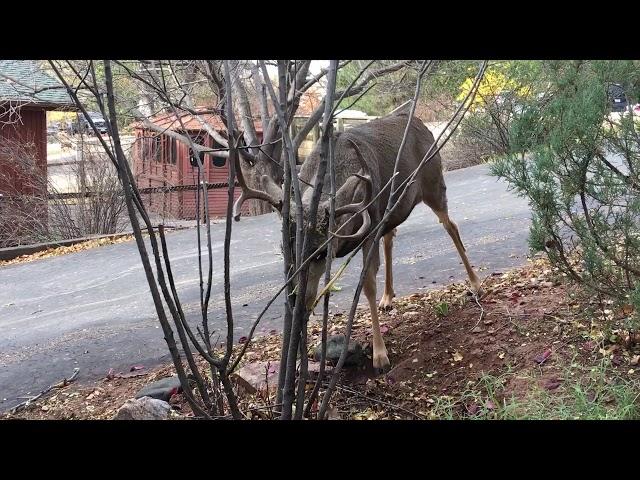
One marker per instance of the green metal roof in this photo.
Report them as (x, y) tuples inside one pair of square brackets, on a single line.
[(23, 81)]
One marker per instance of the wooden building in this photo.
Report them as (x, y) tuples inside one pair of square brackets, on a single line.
[(161, 162), (26, 94)]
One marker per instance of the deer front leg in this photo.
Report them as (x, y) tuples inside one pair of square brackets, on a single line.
[(387, 297), (380, 358), (452, 230)]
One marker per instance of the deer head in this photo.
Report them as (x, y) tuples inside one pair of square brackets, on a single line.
[(358, 185)]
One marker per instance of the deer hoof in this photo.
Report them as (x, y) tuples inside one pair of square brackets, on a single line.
[(385, 302), (476, 288), (381, 362), (478, 292)]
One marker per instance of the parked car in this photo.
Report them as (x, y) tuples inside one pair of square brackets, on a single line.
[(81, 125), (617, 97), (53, 128)]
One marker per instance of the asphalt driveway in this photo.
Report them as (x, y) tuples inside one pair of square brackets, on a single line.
[(92, 309)]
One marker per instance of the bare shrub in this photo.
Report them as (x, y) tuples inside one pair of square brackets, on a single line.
[(463, 151), (33, 209)]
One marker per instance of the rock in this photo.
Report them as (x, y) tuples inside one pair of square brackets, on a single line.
[(477, 329), (333, 414), (162, 389), (335, 345), (258, 376), (145, 408), (410, 314), (314, 368)]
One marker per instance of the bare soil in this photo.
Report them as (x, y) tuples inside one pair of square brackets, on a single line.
[(526, 329)]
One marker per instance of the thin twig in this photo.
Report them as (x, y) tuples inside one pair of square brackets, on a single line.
[(382, 402), (475, 297), (61, 384)]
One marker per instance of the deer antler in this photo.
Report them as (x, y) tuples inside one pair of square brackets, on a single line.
[(356, 207), (248, 193)]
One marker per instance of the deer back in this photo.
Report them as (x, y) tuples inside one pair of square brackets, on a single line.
[(379, 141)]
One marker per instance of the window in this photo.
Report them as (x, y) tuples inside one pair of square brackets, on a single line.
[(174, 151), (151, 148), (217, 161), (169, 150), (156, 148)]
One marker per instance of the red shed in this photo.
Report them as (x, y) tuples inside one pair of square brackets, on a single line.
[(160, 161), (26, 93)]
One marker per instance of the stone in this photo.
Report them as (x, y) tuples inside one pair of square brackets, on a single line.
[(313, 368), (257, 376), (145, 408), (410, 314), (162, 389), (335, 345)]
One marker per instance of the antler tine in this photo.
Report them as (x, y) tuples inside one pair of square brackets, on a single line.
[(363, 164), (356, 207), (248, 193), (366, 224)]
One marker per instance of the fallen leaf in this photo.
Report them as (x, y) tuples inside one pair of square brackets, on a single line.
[(242, 340), (635, 360), (457, 356), (552, 384), (472, 409), (501, 355), (540, 359)]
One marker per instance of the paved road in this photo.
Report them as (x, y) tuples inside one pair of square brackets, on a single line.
[(92, 309)]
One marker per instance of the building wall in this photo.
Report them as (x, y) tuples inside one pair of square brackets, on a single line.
[(160, 161), (29, 129), (23, 184)]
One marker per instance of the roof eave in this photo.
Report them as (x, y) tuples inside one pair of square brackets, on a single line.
[(70, 107)]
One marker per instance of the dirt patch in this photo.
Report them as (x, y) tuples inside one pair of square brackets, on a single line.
[(452, 355)]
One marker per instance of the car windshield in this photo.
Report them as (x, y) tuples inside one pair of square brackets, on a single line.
[(616, 91), (96, 117)]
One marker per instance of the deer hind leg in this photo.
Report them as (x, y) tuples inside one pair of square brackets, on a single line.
[(387, 297), (452, 230), (380, 358)]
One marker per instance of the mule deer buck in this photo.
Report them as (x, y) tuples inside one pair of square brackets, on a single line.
[(364, 160)]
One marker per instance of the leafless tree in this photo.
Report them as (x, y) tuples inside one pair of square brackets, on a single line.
[(35, 209), (267, 171)]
